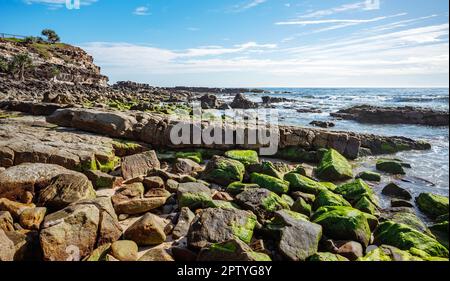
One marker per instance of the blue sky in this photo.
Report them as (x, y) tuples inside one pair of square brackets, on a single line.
[(251, 43)]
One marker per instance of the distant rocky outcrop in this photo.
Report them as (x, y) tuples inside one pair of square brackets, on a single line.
[(394, 115)]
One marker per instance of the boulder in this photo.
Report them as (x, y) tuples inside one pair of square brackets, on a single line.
[(241, 102), (18, 183), (153, 182), (357, 190), (349, 249), (101, 180), (433, 205), (130, 200), (233, 250), (334, 167), (223, 171), (217, 225), (302, 207), (32, 218), (391, 166), (401, 203), (194, 195), (393, 190), (273, 184), (276, 170), (369, 176), (404, 237), (322, 124), (328, 198), (185, 219), (343, 223), (408, 218), (7, 250), (261, 201), (238, 187), (14, 208), (388, 253), (301, 183), (157, 255), (70, 234), (6, 221), (186, 166), (139, 164), (65, 189), (99, 254), (246, 157), (147, 231), (124, 250)]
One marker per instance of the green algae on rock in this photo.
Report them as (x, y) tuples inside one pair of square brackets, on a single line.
[(302, 207), (301, 183), (328, 198), (334, 167), (223, 171), (391, 166), (194, 156), (389, 253), (356, 191), (261, 201), (194, 195), (369, 176), (238, 187), (246, 157), (327, 257), (273, 184), (433, 205), (405, 238), (232, 250)]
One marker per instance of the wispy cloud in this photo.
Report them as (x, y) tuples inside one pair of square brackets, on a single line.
[(141, 11), (364, 5), (333, 21), (247, 5), (57, 3)]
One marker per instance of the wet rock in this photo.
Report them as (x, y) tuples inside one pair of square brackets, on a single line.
[(32, 218), (393, 190), (433, 205), (223, 171), (261, 201), (343, 223), (401, 203), (70, 234), (184, 222), (193, 195), (139, 164), (334, 167), (209, 101), (369, 176), (130, 200), (18, 183), (405, 238), (241, 102), (6, 221), (147, 231), (7, 250), (233, 250), (124, 250), (158, 255), (65, 189), (390, 166), (217, 225), (394, 115), (322, 124)]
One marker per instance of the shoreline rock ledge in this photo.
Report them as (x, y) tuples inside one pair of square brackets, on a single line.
[(394, 115)]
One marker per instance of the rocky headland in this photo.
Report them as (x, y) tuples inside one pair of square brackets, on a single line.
[(88, 172)]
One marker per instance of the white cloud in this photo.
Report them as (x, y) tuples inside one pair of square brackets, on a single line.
[(339, 21), (364, 5), (141, 11), (248, 5), (58, 3)]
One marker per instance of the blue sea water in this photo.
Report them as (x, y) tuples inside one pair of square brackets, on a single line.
[(430, 169)]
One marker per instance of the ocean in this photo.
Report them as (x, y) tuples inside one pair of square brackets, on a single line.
[(430, 169)]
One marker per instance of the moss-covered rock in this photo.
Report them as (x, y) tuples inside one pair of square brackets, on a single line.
[(261, 201), (266, 168), (440, 231), (231, 251), (301, 183), (411, 220), (302, 207), (246, 157), (297, 154), (273, 184), (223, 171), (432, 204), (194, 195), (238, 187), (360, 195), (194, 156), (223, 204), (369, 176), (366, 205), (391, 166), (389, 253), (343, 223), (327, 257), (405, 238), (334, 167), (328, 198)]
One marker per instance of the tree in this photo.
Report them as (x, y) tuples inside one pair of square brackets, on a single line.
[(20, 64), (51, 35)]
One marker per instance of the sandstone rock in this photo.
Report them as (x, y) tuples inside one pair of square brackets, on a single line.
[(65, 189), (6, 221), (124, 250), (7, 249), (103, 180), (158, 255), (18, 183), (186, 166), (185, 219), (14, 208), (32, 218), (130, 200), (139, 164), (217, 225), (153, 182), (349, 249), (147, 231)]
